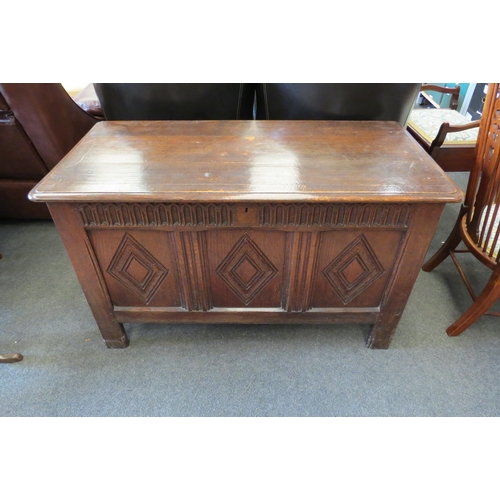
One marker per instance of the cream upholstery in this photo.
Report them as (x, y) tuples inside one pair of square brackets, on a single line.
[(427, 122)]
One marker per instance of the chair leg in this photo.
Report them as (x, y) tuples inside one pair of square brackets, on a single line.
[(484, 301), (450, 244)]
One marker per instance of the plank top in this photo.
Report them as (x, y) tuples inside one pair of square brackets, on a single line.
[(229, 161)]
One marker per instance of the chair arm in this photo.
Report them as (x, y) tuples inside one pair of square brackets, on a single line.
[(446, 128), (442, 90)]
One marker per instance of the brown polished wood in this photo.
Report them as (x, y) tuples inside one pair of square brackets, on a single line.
[(247, 221)]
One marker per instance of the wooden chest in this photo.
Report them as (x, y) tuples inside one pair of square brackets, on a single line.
[(247, 221)]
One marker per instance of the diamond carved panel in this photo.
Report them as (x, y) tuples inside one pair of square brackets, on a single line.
[(353, 270), (246, 269), (136, 269)]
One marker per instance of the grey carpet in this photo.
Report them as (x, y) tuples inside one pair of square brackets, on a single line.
[(235, 370)]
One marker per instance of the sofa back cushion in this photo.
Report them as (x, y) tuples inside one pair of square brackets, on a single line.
[(336, 101), (176, 101)]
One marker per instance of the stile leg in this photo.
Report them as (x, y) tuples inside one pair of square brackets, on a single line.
[(412, 253), (89, 274), (448, 246)]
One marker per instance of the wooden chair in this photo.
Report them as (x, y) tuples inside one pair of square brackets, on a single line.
[(478, 224), (443, 132)]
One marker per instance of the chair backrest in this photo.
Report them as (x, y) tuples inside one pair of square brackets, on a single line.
[(336, 101), (176, 101), (483, 190), (453, 92)]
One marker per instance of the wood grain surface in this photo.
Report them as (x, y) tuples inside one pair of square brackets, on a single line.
[(217, 161)]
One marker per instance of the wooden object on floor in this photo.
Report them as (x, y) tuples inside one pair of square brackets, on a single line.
[(10, 358), (478, 224), (445, 134), (247, 221)]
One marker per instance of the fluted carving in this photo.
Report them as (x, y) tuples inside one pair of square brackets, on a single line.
[(333, 215), (155, 214)]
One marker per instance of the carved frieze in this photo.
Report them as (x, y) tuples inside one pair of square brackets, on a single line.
[(155, 214), (334, 215)]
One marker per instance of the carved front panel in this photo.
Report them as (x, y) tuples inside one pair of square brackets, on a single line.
[(353, 267), (246, 268), (137, 270), (139, 267)]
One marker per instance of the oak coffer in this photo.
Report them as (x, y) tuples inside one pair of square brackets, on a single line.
[(247, 221)]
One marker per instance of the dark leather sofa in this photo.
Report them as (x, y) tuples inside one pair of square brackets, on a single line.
[(40, 123), (264, 101)]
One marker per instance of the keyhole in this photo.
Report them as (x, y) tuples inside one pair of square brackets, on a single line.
[(246, 209)]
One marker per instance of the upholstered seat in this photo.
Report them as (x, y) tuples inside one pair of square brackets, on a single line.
[(448, 136), (427, 122)]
